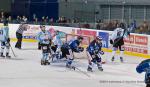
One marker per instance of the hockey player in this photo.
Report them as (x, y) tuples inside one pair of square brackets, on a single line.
[(5, 40), (144, 66), (69, 48), (94, 53), (57, 44), (44, 37), (117, 40)]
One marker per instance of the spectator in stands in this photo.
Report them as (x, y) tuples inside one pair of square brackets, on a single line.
[(10, 19), (46, 20), (43, 20), (18, 20), (51, 21), (98, 25), (140, 30), (110, 26), (86, 25), (2, 16), (24, 19), (145, 26), (35, 21)]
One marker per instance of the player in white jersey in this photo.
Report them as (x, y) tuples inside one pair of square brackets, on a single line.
[(4, 39), (57, 44), (117, 40)]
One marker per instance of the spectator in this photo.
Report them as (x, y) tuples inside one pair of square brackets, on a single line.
[(43, 20), (18, 20), (98, 26), (51, 21), (36, 20), (24, 19), (140, 30), (10, 19)]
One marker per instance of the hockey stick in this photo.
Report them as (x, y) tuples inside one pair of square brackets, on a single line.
[(12, 50), (29, 49), (80, 69), (82, 72)]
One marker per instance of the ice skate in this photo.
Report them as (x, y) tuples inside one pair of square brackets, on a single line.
[(2, 55), (89, 69), (47, 62), (100, 68), (7, 55), (121, 59), (42, 62), (113, 58)]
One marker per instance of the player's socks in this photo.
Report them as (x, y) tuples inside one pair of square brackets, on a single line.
[(7, 55), (2, 55)]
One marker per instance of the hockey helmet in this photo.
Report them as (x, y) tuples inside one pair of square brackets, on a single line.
[(99, 38), (122, 25), (80, 38)]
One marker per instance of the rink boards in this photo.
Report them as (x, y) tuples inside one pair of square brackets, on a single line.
[(135, 44)]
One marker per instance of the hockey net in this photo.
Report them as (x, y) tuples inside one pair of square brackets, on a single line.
[(86, 39)]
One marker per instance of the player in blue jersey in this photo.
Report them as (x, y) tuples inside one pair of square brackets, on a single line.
[(144, 66), (69, 48), (44, 37), (94, 53), (4, 39)]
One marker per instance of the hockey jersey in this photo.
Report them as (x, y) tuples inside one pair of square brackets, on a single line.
[(57, 41), (44, 37), (119, 33), (144, 67), (74, 44), (4, 33), (94, 47)]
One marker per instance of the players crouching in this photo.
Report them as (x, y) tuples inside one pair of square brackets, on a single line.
[(56, 46), (44, 37), (94, 53), (5, 40), (69, 48)]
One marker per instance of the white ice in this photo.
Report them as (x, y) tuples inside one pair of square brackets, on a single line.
[(25, 71)]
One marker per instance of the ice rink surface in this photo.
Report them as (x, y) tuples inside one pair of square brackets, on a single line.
[(25, 71)]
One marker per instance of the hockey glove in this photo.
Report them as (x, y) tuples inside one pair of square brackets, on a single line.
[(102, 52), (128, 33), (81, 49), (111, 42), (93, 56), (96, 52), (8, 40)]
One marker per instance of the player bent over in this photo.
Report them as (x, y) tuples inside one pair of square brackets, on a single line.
[(144, 66), (5, 40), (44, 37), (94, 53), (56, 47), (69, 48)]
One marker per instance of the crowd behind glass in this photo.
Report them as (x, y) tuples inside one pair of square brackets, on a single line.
[(143, 28)]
